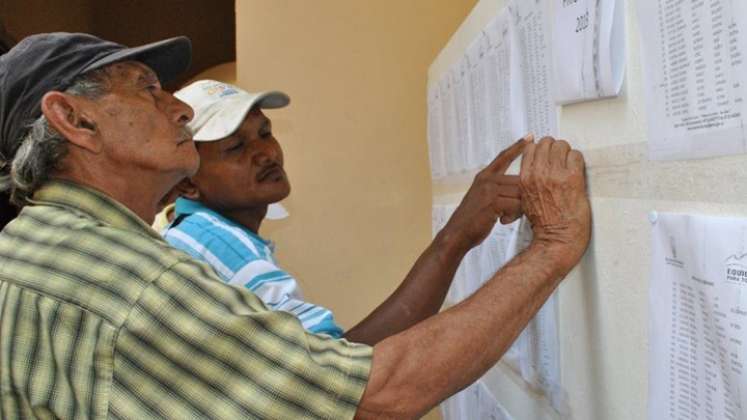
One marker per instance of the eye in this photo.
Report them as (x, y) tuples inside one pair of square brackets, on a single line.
[(153, 89), (235, 147), (265, 133)]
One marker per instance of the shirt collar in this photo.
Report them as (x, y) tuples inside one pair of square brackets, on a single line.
[(185, 206), (93, 203)]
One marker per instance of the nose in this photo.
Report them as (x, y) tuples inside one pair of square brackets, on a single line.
[(181, 113), (267, 153)]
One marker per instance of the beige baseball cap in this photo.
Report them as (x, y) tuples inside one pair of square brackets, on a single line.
[(220, 108)]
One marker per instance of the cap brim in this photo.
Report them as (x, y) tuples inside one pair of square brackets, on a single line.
[(272, 99), (168, 58), (226, 121)]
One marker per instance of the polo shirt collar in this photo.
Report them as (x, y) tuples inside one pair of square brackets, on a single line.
[(185, 207), (93, 203)]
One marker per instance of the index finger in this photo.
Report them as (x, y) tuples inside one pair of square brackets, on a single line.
[(506, 157), (575, 160)]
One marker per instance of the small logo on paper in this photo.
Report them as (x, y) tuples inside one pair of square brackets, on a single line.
[(736, 269)]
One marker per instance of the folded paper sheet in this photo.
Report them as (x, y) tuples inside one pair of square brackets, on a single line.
[(589, 37)]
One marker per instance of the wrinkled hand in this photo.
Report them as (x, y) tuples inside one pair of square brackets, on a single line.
[(554, 198), (492, 196)]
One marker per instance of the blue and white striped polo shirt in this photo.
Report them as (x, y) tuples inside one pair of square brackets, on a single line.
[(243, 259)]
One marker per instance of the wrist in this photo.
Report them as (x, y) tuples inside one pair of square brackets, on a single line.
[(559, 258), (451, 243)]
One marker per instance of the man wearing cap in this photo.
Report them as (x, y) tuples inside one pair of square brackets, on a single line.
[(222, 206), (101, 318)]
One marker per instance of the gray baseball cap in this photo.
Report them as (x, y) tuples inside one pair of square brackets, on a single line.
[(45, 62)]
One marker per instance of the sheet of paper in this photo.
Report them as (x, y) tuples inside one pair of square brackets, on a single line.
[(504, 88), (453, 153), (531, 23), (483, 261), (695, 76), (535, 355), (436, 133), (698, 329), (475, 402), (458, 290), (539, 360), (589, 51), (465, 114), (481, 146)]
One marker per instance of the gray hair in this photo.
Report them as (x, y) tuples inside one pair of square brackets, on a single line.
[(42, 149)]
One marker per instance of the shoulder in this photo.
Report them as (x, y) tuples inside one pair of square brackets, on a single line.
[(206, 236), (77, 259)]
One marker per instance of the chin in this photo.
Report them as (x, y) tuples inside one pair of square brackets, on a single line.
[(191, 165), (279, 197), (273, 197)]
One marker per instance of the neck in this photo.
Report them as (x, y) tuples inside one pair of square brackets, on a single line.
[(140, 196), (250, 218)]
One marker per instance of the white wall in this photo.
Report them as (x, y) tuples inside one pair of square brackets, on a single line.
[(604, 301)]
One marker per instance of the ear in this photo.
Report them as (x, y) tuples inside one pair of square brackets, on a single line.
[(66, 114), (188, 189)]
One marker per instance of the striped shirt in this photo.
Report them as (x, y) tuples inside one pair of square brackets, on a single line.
[(101, 318), (243, 259)]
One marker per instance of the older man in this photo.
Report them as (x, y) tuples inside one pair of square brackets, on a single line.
[(100, 318)]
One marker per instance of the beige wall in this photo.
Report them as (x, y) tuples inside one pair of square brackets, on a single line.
[(354, 135), (225, 72)]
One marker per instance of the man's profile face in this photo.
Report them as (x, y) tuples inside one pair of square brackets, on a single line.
[(142, 126), (243, 171)]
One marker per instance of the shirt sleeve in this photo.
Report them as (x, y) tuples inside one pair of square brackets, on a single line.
[(196, 347), (280, 292)]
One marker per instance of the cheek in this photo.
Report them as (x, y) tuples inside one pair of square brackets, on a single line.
[(223, 179), (132, 128)]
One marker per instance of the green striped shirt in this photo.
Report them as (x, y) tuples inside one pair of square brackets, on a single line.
[(100, 318)]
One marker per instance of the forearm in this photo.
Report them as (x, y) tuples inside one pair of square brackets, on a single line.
[(492, 196), (419, 296), (416, 369)]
